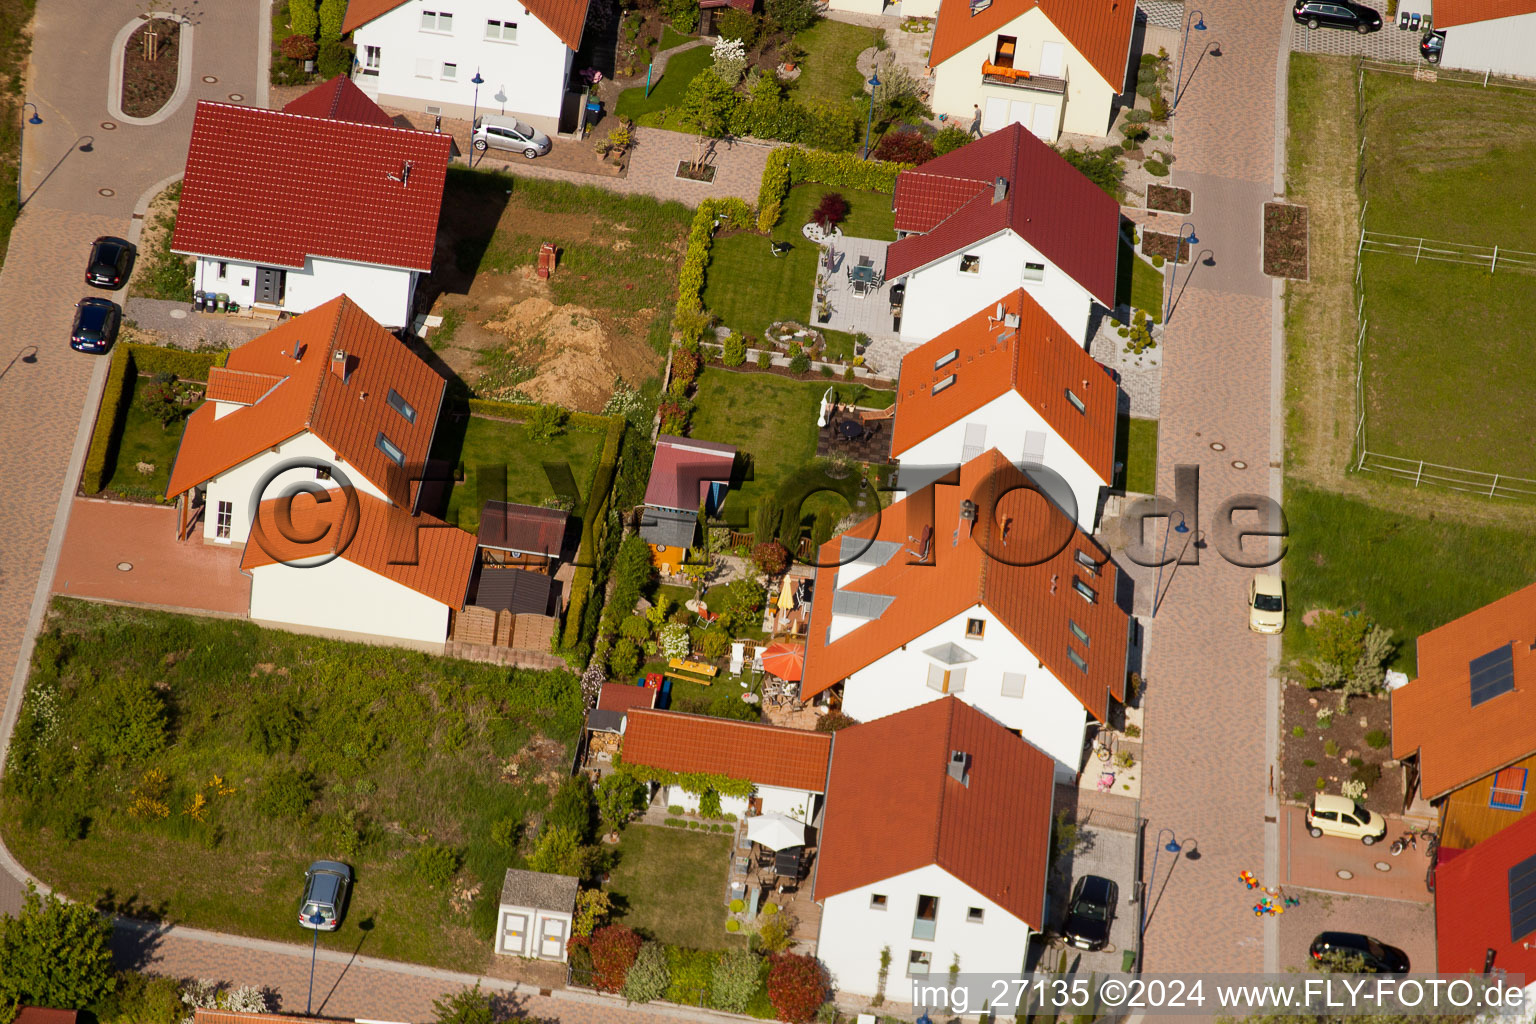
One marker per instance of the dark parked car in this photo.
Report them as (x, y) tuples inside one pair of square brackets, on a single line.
[(1091, 912), (96, 324), (325, 895), (1431, 46), (1378, 957), (1336, 14), (111, 259)]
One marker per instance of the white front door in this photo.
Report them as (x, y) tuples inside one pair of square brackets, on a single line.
[(514, 933), (552, 939), (995, 115), (1018, 112), (1044, 124), (1050, 59)]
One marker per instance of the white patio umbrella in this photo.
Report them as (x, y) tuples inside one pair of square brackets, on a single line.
[(776, 831), (826, 407)]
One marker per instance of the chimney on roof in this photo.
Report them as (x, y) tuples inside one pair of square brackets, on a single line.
[(960, 767), (405, 175), (298, 350), (341, 365), (999, 190)]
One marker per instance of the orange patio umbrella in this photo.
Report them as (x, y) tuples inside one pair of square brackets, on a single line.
[(787, 661)]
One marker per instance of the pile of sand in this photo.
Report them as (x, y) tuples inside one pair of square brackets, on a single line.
[(573, 352)]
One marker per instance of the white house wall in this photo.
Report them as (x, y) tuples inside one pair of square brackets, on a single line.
[(534, 921), (384, 293), (1505, 46), (345, 597), (530, 73), (238, 485), (939, 296), (1008, 419), (865, 7), (1085, 109), (1047, 713), (853, 933), (798, 804)]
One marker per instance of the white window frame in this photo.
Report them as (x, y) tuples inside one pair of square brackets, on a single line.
[(373, 57), (975, 265), (975, 915), (224, 520), (878, 901), (499, 33), (920, 956), (1033, 272), (449, 71), (434, 22)]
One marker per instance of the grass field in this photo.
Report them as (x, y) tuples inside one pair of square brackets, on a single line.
[(1137, 445), (480, 443), (1408, 573), (671, 885), (143, 440), (1140, 284), (748, 288), (671, 37), (190, 769), (829, 70), (668, 90)]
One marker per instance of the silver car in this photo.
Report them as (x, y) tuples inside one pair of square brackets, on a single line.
[(325, 895), (493, 132)]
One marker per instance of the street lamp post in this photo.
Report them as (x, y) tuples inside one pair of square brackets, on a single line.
[(1180, 527), (34, 119), (478, 82), (1178, 83), (1173, 275), (316, 921), (869, 122), (1172, 846)]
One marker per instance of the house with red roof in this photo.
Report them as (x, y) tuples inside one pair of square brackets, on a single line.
[(685, 474), (786, 767), (426, 56), (1017, 383), (976, 585), (1485, 905), (310, 451), (1482, 35), (285, 210), (935, 843), (1452, 726), (1003, 213)]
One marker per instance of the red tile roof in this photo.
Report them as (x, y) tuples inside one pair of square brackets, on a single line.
[(892, 807), (565, 18), (1037, 360), (44, 1015), (339, 100), (1049, 203), (239, 387), (682, 469), (767, 755), (1034, 602), (1433, 715), (529, 529), (420, 552), (348, 416), (619, 697), (1100, 30), (272, 188), (1450, 13), (1472, 905), (201, 1016)]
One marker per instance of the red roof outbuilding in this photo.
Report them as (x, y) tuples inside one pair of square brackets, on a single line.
[(1485, 898), (682, 470), (273, 188), (1008, 180), (892, 806), (766, 755)]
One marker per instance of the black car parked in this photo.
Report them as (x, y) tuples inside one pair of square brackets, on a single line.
[(111, 259), (96, 324), (1091, 912), (1336, 14), (1378, 957), (1431, 46)]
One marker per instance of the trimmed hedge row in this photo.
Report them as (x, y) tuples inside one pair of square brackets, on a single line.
[(731, 212), (109, 422), (177, 362), (522, 410), (788, 166), (594, 526)]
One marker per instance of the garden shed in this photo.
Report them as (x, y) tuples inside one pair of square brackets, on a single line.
[(536, 914)]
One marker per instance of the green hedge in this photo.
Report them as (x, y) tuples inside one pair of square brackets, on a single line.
[(594, 524), (732, 213), (176, 362), (109, 422), (788, 166), (522, 410)]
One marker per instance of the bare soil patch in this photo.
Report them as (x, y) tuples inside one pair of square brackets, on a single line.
[(1169, 198), (149, 84), (1285, 240), (1334, 748), (695, 172), (1156, 243)]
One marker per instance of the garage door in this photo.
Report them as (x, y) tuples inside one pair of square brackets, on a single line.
[(514, 933)]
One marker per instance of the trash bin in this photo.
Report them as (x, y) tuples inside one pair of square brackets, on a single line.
[(197, 301), (234, 307), (223, 302)]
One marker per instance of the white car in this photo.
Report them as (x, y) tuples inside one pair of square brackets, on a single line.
[(492, 132), (1266, 604)]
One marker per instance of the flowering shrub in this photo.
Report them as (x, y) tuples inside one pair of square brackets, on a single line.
[(298, 47), (675, 641), (770, 558), (730, 59), (614, 948)]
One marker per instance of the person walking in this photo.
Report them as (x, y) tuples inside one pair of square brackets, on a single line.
[(976, 121)]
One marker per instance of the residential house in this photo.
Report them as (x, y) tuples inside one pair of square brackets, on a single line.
[(787, 767), (426, 55), (286, 211), (935, 844), (1485, 906), (1003, 213), (977, 586), (1050, 66), (1452, 726), (1483, 35), (685, 474), (339, 100), (536, 914), (1009, 378), (310, 451)]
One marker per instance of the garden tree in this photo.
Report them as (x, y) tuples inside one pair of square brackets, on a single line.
[(950, 138), (592, 909), (466, 1006), (619, 797), (614, 949), (624, 658), (1100, 166), (1351, 654), (797, 986), (333, 13), (771, 558), (707, 108), (734, 351), (822, 528), (297, 47), (573, 807), (648, 976), (792, 16), (54, 954), (765, 519), (792, 523), (559, 852), (546, 422), (636, 628), (303, 17), (683, 14), (738, 603), (729, 55), (733, 980), (830, 211), (773, 934), (737, 24)]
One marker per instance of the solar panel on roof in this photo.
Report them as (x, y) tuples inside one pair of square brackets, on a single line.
[(1492, 674), (1522, 899)]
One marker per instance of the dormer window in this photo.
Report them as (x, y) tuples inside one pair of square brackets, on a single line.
[(398, 403), (390, 450), (1077, 403), (946, 359), (945, 383), (1084, 590), (1085, 560)]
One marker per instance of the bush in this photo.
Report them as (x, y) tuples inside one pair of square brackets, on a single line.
[(648, 977), (792, 16), (734, 351), (1100, 166), (573, 808), (833, 721), (907, 146), (624, 659), (54, 953), (1376, 739), (546, 423), (285, 794), (734, 980), (466, 1006), (614, 950), (333, 13), (682, 14), (1367, 775), (435, 864), (675, 809), (736, 24), (1352, 653), (507, 835), (733, 926), (559, 852), (799, 363), (709, 804), (797, 986), (714, 642), (831, 210), (764, 359), (141, 999), (1158, 261), (303, 17), (950, 138), (1156, 168), (297, 47), (109, 423), (334, 58), (1159, 106), (1138, 116), (770, 558)]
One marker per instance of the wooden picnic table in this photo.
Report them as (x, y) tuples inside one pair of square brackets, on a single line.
[(696, 667)]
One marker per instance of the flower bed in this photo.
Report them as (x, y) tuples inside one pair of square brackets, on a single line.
[(1285, 240), (1320, 742), (1156, 243), (149, 84), (1169, 199)]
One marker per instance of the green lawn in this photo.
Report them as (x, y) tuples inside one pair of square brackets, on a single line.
[(143, 440), (1409, 574), (668, 90), (1137, 445), (748, 288), (670, 885), (320, 749), (1146, 284), (719, 699), (15, 19), (671, 37), (829, 71), (479, 443)]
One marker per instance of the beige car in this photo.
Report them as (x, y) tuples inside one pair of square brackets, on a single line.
[(1266, 604), (1341, 816)]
